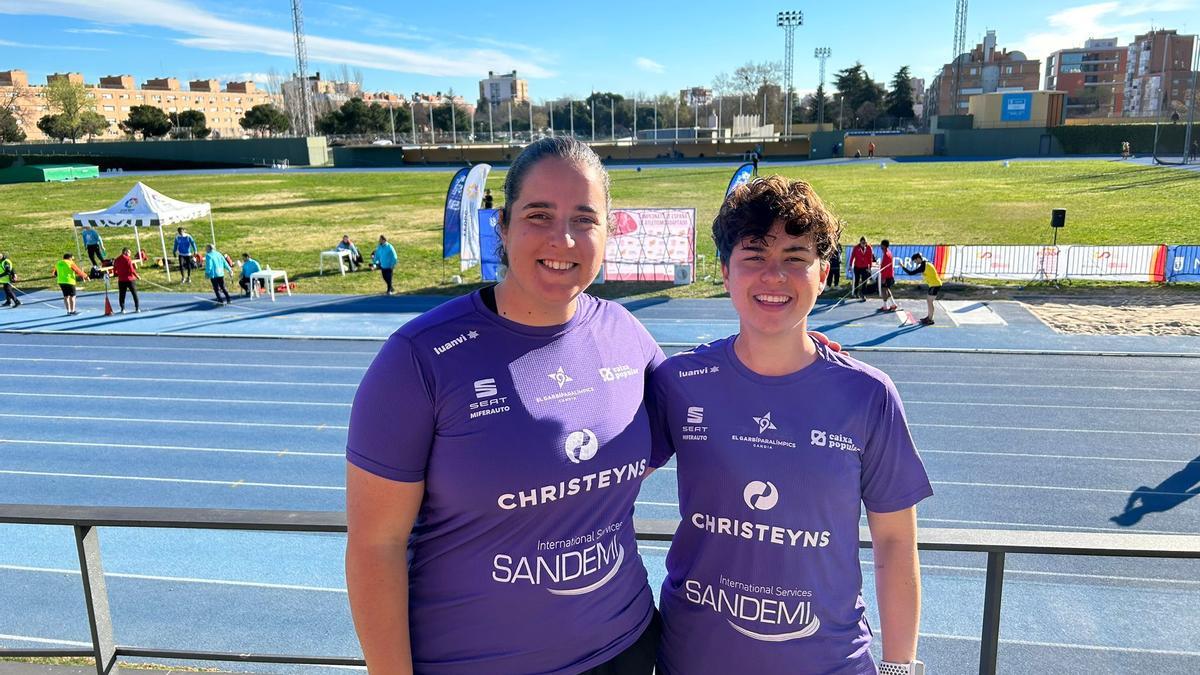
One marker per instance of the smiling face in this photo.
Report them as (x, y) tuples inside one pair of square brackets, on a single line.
[(555, 236), (774, 282)]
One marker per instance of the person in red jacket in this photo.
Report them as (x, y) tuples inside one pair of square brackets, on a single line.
[(887, 277), (860, 259), (126, 272)]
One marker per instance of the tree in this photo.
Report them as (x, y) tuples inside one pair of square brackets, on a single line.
[(58, 128), (71, 100), (10, 131), (810, 110), (856, 87), (356, 118), (265, 119), (900, 98), (193, 121), (443, 116), (92, 123), (147, 120)]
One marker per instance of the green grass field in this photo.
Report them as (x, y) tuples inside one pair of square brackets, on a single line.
[(286, 219)]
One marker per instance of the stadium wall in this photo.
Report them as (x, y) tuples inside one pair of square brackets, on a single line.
[(892, 145), (177, 154), (1106, 139), (1035, 142)]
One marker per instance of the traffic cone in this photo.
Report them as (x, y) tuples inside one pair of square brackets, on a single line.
[(107, 306)]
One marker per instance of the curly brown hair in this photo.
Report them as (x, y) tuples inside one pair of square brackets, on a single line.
[(751, 210)]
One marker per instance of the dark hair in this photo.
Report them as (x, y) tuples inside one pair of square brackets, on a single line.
[(565, 148), (885, 243), (245, 255), (67, 256), (751, 210)]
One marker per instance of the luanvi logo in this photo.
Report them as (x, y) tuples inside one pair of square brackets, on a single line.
[(442, 349), (764, 422), (760, 495), (485, 388), (560, 378), (581, 446)]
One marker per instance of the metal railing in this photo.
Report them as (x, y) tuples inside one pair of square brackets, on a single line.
[(105, 650)]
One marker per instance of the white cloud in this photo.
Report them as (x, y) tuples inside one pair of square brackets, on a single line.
[(1073, 26), (25, 45), (94, 31), (260, 78), (208, 31), (649, 66)]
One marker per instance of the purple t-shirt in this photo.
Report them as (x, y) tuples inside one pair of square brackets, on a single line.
[(772, 472), (531, 442)]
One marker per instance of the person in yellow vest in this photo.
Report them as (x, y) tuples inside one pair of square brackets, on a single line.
[(930, 276), (7, 278), (68, 275)]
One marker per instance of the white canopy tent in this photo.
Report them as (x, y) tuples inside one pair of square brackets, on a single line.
[(145, 207)]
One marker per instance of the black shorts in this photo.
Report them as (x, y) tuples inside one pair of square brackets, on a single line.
[(933, 290), (889, 282), (638, 658), (68, 290)]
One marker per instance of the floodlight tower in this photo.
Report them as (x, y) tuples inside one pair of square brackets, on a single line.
[(821, 54), (788, 21), (960, 45), (301, 68)]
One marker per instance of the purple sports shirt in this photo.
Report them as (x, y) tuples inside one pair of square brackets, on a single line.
[(532, 442), (763, 574)]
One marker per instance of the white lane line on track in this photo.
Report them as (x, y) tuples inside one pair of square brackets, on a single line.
[(911, 402), (130, 446), (1041, 526), (1055, 429), (1061, 488), (1061, 645), (172, 380), (44, 641), (106, 397), (956, 366), (127, 363), (1090, 458), (220, 350), (214, 423), (1043, 573), (1043, 386), (155, 479), (188, 580)]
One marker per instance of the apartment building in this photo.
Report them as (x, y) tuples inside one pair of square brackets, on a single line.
[(1093, 77), (497, 89), (1158, 73), (983, 70)]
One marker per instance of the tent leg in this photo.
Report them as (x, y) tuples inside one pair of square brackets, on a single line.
[(78, 250), (166, 262), (137, 238), (212, 230)]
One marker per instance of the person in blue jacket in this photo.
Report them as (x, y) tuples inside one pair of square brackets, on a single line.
[(215, 267), (384, 258), (249, 267), (185, 248), (94, 244)]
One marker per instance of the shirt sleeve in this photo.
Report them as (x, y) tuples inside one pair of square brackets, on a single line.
[(662, 445), (893, 476), (392, 421)]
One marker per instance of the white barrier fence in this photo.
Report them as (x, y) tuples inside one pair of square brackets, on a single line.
[(1057, 263)]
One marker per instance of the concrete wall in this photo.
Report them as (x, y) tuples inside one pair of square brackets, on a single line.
[(823, 142), (906, 145), (1001, 143), (177, 154)]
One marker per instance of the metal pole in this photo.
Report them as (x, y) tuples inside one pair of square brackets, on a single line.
[(656, 121), (392, 120), (1161, 90), (432, 136), (571, 116), (95, 594), (510, 126), (491, 129), (453, 124), (593, 116), (530, 104), (676, 120), (551, 116), (993, 593), (635, 119), (1187, 133), (612, 112)]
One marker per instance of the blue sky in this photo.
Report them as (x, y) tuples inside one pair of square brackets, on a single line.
[(564, 49)]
